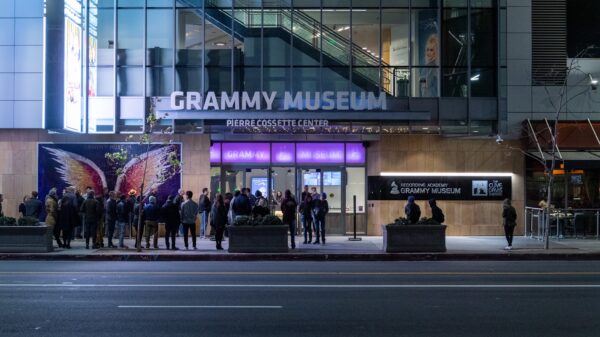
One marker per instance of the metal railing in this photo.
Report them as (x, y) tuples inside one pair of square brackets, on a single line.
[(575, 223)]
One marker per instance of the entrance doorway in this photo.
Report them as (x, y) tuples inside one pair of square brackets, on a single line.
[(329, 181)]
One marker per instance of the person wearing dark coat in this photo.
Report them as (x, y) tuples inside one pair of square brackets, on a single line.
[(122, 214), (91, 212), (412, 210), (169, 214), (219, 216), (436, 212), (306, 211), (110, 217), (68, 216), (509, 216), (33, 206), (288, 208)]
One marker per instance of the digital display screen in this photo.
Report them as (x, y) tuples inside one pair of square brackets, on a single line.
[(259, 184), (330, 178)]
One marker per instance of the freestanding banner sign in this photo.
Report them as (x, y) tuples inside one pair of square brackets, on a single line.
[(440, 188)]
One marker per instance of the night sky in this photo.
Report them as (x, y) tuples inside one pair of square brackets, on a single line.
[(583, 26)]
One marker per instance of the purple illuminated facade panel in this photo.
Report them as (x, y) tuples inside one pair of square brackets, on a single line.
[(246, 153), (320, 153), (283, 153), (355, 153), (215, 153)]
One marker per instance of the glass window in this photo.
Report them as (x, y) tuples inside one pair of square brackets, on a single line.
[(7, 32), (189, 78), (159, 3), (130, 81), (131, 3), (396, 81), (159, 81), (105, 81), (306, 25), (395, 37), (356, 187), (366, 56), (130, 39), (190, 38), (335, 33), (160, 37), (28, 8), (425, 81), (483, 82), (306, 78), (454, 39), (7, 8), (336, 79), (483, 40), (30, 32), (454, 82), (277, 79)]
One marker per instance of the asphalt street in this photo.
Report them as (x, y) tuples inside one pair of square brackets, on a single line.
[(527, 298)]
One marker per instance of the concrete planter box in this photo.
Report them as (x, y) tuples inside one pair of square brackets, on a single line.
[(414, 238), (25, 239), (258, 239)]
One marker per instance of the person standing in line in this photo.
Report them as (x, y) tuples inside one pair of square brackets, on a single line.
[(320, 210), (111, 217), (179, 198), (151, 213), (68, 215), (33, 206), (22, 209), (169, 214), (138, 220), (204, 210), (436, 212), (509, 216), (288, 208), (261, 208), (306, 211), (189, 213), (78, 230), (122, 218), (412, 210), (219, 216), (91, 210), (1, 200), (51, 206), (100, 226), (241, 204)]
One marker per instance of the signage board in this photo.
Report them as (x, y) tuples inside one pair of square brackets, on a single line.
[(440, 188)]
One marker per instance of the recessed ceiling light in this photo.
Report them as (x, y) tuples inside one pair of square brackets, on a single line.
[(219, 44)]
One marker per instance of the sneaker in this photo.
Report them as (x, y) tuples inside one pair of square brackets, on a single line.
[(507, 248)]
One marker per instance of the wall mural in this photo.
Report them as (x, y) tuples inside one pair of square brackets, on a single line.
[(82, 165)]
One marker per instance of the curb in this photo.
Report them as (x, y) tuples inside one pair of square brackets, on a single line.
[(309, 257)]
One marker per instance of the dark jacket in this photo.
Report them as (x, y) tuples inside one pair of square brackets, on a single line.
[(151, 212), (122, 211), (306, 207), (437, 214), (68, 216), (33, 207), (91, 210), (111, 209), (509, 215), (219, 215), (413, 212), (241, 205), (204, 204), (169, 214), (288, 207)]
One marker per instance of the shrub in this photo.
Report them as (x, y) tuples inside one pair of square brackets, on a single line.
[(7, 221), (243, 220), (28, 221), (271, 220)]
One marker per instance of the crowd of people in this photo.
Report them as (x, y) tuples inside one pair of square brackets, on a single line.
[(93, 216)]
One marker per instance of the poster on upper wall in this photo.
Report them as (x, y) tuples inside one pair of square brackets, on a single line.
[(440, 187), (72, 101), (84, 164), (93, 64), (428, 51)]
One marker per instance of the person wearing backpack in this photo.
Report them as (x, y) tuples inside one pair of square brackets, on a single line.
[(412, 210), (509, 216), (320, 210)]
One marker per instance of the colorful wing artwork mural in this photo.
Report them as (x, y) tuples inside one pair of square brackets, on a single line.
[(83, 165)]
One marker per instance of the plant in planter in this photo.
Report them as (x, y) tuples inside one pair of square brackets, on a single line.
[(258, 235), (271, 220), (7, 221), (26, 235), (427, 235)]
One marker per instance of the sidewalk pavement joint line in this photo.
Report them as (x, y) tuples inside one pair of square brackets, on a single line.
[(341, 286), (200, 307), (408, 273)]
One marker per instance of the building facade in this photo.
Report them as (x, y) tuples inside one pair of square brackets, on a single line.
[(367, 101)]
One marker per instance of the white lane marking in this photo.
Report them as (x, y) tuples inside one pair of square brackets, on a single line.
[(353, 286), (200, 306)]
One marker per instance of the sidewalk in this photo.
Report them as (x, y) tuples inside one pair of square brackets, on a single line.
[(337, 248)]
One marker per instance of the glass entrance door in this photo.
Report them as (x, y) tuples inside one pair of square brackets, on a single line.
[(254, 178), (330, 181)]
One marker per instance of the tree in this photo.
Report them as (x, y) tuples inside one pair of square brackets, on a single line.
[(151, 135), (559, 103)]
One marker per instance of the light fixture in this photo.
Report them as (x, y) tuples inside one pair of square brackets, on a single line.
[(475, 78), (446, 174), (365, 48), (593, 82), (219, 44)]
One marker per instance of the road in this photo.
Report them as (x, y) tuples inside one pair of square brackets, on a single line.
[(529, 298)]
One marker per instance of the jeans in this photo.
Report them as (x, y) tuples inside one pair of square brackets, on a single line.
[(170, 233), (307, 227), (508, 232), (292, 227), (320, 229), (192, 228), (203, 222), (110, 226), (121, 233)]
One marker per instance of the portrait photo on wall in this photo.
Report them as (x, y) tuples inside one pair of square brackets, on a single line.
[(85, 165), (428, 51)]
